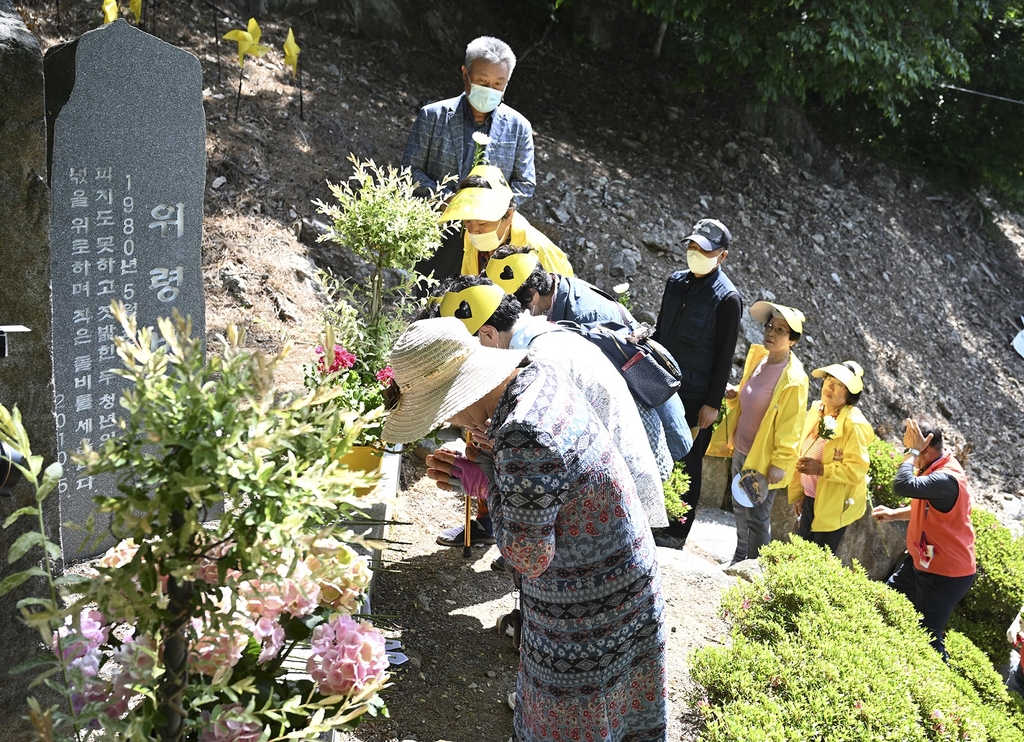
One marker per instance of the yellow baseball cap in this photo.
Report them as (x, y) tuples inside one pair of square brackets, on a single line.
[(483, 204)]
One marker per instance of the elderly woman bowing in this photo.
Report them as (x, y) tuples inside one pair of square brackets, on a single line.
[(830, 489), (566, 516)]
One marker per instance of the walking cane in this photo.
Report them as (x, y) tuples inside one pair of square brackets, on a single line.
[(467, 538)]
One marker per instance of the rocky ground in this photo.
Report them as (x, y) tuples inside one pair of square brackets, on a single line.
[(443, 608), (922, 286)]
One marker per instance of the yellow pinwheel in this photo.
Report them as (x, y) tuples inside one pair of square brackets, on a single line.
[(248, 41), (291, 52), (110, 11), (135, 6)]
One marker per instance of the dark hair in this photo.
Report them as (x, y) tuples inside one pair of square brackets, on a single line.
[(504, 317), (538, 282), (928, 427)]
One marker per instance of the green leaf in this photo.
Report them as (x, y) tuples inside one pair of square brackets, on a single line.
[(71, 579), (40, 678), (24, 542), (51, 477), (12, 581), (29, 510), (40, 660)]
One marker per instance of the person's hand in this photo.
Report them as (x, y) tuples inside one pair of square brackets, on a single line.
[(809, 466), (706, 417), (730, 393), (439, 468), (775, 475), (912, 437), (798, 508), (478, 438), (882, 514), (471, 476)]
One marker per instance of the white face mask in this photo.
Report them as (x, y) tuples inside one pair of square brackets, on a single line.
[(484, 99), (700, 263), (485, 241)]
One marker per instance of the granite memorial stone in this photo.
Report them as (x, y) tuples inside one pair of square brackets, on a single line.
[(128, 169)]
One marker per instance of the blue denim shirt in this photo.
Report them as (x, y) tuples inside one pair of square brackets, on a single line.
[(438, 146)]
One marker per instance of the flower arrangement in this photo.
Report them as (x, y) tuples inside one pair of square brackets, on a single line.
[(242, 638), (184, 629), (378, 217), (361, 388), (826, 427)]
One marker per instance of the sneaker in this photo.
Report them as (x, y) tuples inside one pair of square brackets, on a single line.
[(669, 542), (511, 701), (477, 535)]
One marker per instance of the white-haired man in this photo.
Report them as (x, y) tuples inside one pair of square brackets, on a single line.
[(441, 142)]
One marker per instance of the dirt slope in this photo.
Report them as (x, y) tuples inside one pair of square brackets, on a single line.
[(923, 287)]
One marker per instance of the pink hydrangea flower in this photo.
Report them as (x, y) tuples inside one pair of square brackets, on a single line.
[(216, 651), (386, 376), (271, 635), (342, 574), (229, 726), (295, 592), (348, 656)]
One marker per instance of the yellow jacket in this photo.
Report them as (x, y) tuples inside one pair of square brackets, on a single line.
[(779, 432), (551, 257), (842, 493)]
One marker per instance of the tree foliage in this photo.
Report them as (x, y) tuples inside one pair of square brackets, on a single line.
[(970, 139), (883, 50)]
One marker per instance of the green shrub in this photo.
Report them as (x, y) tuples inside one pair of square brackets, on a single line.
[(885, 460), (822, 652), (677, 485), (997, 593)]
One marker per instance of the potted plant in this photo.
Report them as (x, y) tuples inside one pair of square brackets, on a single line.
[(182, 631), (378, 218)]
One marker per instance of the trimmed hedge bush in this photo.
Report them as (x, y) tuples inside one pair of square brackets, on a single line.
[(677, 485), (998, 593), (820, 652), (885, 459)]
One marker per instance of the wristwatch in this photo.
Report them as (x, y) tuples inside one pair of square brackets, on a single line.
[(911, 452)]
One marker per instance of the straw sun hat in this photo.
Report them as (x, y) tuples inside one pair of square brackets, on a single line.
[(441, 370)]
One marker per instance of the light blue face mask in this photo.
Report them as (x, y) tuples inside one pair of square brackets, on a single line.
[(484, 99)]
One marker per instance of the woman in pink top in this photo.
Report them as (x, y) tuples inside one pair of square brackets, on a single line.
[(763, 421)]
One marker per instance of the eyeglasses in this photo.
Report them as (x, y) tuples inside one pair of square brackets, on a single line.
[(771, 328)]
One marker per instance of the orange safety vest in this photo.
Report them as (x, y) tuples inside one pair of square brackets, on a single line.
[(943, 543)]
